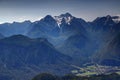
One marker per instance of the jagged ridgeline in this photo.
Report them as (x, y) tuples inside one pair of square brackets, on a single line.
[(57, 45)]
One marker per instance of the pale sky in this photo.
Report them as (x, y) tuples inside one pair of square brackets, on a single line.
[(20, 10)]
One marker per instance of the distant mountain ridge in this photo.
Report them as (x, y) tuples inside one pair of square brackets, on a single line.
[(57, 25), (9, 29), (59, 29), (56, 44), (85, 38)]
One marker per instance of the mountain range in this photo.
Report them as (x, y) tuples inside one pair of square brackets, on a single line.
[(55, 44)]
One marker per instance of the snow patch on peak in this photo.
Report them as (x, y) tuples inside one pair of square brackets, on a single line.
[(116, 19), (66, 17), (58, 19)]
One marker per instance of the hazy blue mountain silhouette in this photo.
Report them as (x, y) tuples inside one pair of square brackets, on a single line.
[(44, 28), (21, 53), (9, 29), (52, 44), (110, 53), (1, 36)]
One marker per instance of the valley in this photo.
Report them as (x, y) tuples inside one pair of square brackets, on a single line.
[(59, 45), (95, 70)]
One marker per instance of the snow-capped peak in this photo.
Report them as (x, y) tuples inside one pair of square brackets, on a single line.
[(67, 17), (116, 19)]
